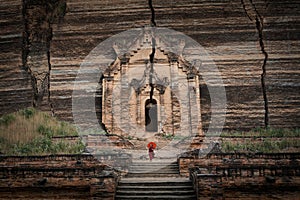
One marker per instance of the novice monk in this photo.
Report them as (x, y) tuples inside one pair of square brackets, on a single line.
[(151, 152)]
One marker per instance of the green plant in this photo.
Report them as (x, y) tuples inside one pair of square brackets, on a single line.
[(228, 147), (261, 132), (30, 132), (283, 144), (28, 112), (44, 130), (259, 129), (267, 145), (44, 145), (78, 147), (297, 131), (7, 119), (168, 136), (92, 131), (65, 129), (129, 137)]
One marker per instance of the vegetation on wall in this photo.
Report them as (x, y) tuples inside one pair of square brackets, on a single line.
[(262, 140), (30, 132), (262, 132)]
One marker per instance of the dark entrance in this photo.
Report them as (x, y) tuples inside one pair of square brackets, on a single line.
[(151, 115)]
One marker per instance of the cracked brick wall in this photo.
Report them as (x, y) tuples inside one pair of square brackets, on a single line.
[(254, 15), (254, 43), (243, 176), (56, 177), (15, 86), (38, 17)]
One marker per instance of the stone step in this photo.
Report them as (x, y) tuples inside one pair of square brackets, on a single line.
[(169, 191), (154, 181), (154, 187), (153, 169), (157, 163), (160, 197), (152, 175), (150, 170), (154, 165), (159, 179)]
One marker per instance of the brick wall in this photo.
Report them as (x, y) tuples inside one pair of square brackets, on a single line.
[(245, 50), (59, 177), (242, 176)]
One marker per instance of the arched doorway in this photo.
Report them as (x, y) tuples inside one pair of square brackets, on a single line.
[(151, 115)]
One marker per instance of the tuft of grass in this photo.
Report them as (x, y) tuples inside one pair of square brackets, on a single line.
[(93, 132), (261, 132), (7, 119), (168, 136), (30, 132), (266, 146), (28, 112), (129, 137), (272, 140)]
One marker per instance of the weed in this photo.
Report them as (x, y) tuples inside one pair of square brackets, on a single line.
[(44, 130), (168, 136), (260, 132), (30, 132), (129, 137), (7, 119), (27, 112)]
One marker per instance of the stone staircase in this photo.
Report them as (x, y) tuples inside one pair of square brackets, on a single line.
[(153, 169), (154, 180)]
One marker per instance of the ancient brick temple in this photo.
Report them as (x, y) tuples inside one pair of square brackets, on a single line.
[(255, 45), (153, 94)]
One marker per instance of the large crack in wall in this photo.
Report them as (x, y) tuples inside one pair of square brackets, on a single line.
[(38, 17), (254, 16), (152, 13), (151, 56), (151, 69)]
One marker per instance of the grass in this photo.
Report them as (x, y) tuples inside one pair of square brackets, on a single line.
[(30, 132), (270, 141), (261, 132), (93, 132)]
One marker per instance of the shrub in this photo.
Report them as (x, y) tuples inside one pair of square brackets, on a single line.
[(129, 137), (168, 136), (28, 112), (65, 129), (44, 130), (7, 119)]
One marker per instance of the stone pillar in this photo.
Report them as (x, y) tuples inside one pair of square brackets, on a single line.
[(162, 112), (138, 110), (174, 91), (124, 98), (107, 108), (191, 106), (194, 105), (198, 100), (184, 105), (104, 102)]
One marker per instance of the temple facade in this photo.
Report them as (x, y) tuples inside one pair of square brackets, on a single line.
[(150, 90)]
